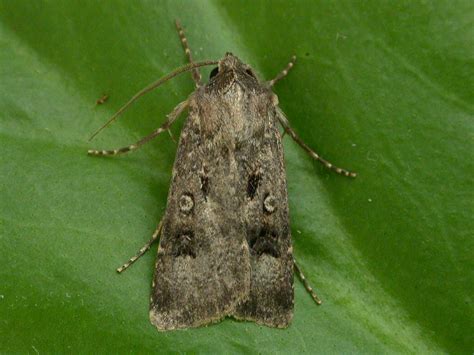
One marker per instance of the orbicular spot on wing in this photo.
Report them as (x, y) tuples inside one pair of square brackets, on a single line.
[(269, 203), (186, 203)]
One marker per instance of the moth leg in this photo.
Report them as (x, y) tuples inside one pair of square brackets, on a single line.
[(143, 249), (286, 126), (284, 72), (164, 127), (195, 72), (307, 286)]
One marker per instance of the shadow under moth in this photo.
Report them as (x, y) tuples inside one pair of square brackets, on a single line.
[(225, 245)]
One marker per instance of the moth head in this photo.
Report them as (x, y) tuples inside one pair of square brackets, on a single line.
[(231, 69)]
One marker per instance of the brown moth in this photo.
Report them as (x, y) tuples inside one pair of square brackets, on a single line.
[(225, 241)]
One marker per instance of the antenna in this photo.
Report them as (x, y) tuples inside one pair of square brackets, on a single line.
[(153, 86)]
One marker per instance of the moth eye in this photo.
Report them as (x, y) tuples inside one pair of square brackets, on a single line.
[(269, 204), (249, 72), (214, 72)]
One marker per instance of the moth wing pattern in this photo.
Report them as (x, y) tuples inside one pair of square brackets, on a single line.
[(251, 109), (271, 295), (225, 248), (203, 269)]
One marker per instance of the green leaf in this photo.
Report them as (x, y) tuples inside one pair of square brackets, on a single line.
[(385, 88)]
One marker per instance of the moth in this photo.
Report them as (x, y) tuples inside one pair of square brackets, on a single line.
[(225, 246)]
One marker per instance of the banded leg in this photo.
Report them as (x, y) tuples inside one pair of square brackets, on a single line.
[(284, 72), (143, 249), (195, 73), (164, 127), (286, 126), (307, 286)]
